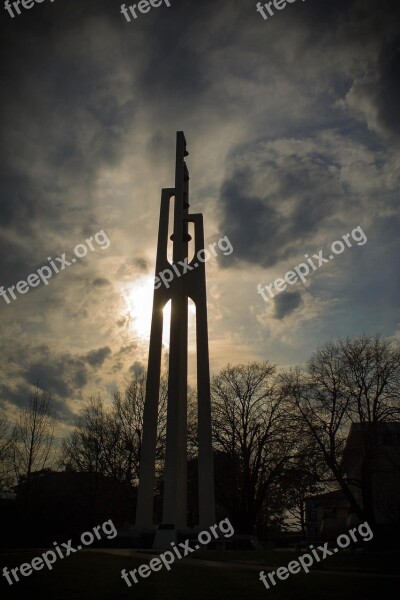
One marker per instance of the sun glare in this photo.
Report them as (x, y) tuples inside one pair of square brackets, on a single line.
[(138, 298)]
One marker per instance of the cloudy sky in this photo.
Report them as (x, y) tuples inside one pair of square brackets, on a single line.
[(293, 130)]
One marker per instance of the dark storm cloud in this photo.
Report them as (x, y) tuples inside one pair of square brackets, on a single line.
[(262, 222), (60, 115), (141, 264), (62, 374), (126, 350), (65, 112), (95, 358), (17, 207), (303, 189), (13, 263), (267, 228), (388, 88), (177, 81), (82, 88), (123, 355), (286, 303), (19, 395), (101, 282), (175, 65), (137, 368)]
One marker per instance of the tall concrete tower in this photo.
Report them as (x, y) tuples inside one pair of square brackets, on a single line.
[(189, 284)]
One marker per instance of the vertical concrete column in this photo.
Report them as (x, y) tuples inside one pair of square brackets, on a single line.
[(145, 501), (196, 289), (175, 482)]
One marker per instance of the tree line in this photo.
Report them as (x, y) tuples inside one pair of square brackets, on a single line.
[(278, 437)]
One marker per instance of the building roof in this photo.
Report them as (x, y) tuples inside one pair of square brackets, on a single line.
[(389, 434), (334, 496)]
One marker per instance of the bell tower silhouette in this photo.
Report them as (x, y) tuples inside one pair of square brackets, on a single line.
[(191, 284)]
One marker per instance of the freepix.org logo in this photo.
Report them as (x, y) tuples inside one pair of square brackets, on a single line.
[(202, 256), (48, 558), (13, 8), (316, 555), (267, 10), (45, 273), (143, 7), (302, 271), (177, 552)]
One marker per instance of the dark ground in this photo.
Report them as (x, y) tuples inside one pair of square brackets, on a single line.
[(95, 575)]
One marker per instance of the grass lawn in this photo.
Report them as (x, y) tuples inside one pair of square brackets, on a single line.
[(96, 576), (377, 562)]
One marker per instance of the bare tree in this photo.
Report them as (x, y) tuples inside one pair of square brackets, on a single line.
[(84, 448), (33, 436), (6, 456), (305, 474), (252, 438), (352, 381), (127, 415), (108, 441)]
